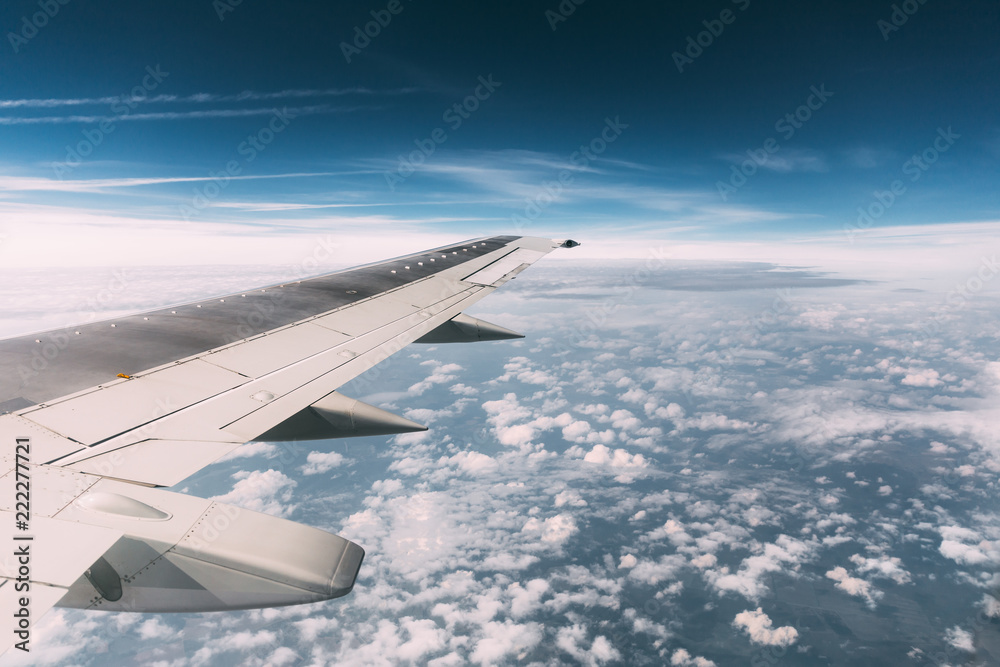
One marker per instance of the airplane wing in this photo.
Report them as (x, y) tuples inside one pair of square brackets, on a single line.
[(94, 417)]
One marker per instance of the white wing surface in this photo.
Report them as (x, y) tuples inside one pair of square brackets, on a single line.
[(107, 411)]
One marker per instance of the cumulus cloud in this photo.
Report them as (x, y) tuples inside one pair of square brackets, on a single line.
[(516, 425), (962, 545), (704, 561), (471, 462), (239, 642), (569, 497), (441, 374), (462, 540), (573, 640), (154, 628), (527, 599), (785, 554), (682, 658), (250, 449), (576, 431), (924, 378), (759, 627), (618, 458), (960, 639), (990, 605), (964, 554), (653, 572), (554, 530), (885, 567), (523, 370), (267, 491), (320, 462), (854, 586), (501, 639)]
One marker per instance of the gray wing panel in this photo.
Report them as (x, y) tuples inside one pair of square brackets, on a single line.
[(41, 367)]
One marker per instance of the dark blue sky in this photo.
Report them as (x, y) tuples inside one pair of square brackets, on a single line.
[(497, 164)]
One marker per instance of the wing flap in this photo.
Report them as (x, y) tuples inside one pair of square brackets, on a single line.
[(270, 352), (155, 462), (138, 401), (507, 264)]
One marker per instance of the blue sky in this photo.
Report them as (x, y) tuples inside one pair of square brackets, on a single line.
[(251, 128)]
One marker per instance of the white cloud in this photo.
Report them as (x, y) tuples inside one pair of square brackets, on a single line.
[(576, 431), (265, 449), (154, 628), (268, 491), (312, 627), (962, 545), (442, 373), (472, 462), (569, 497), (960, 639), (704, 561), (964, 554), (556, 529), (618, 458), (886, 567), (854, 586), (239, 642), (526, 600), (653, 572), (321, 462), (923, 378), (682, 658), (759, 627), (573, 639), (784, 555), (990, 605), (282, 656), (500, 640)]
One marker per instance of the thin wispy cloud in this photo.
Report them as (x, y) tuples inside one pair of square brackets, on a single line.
[(786, 160), (178, 115), (197, 98), (291, 206), (29, 183)]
